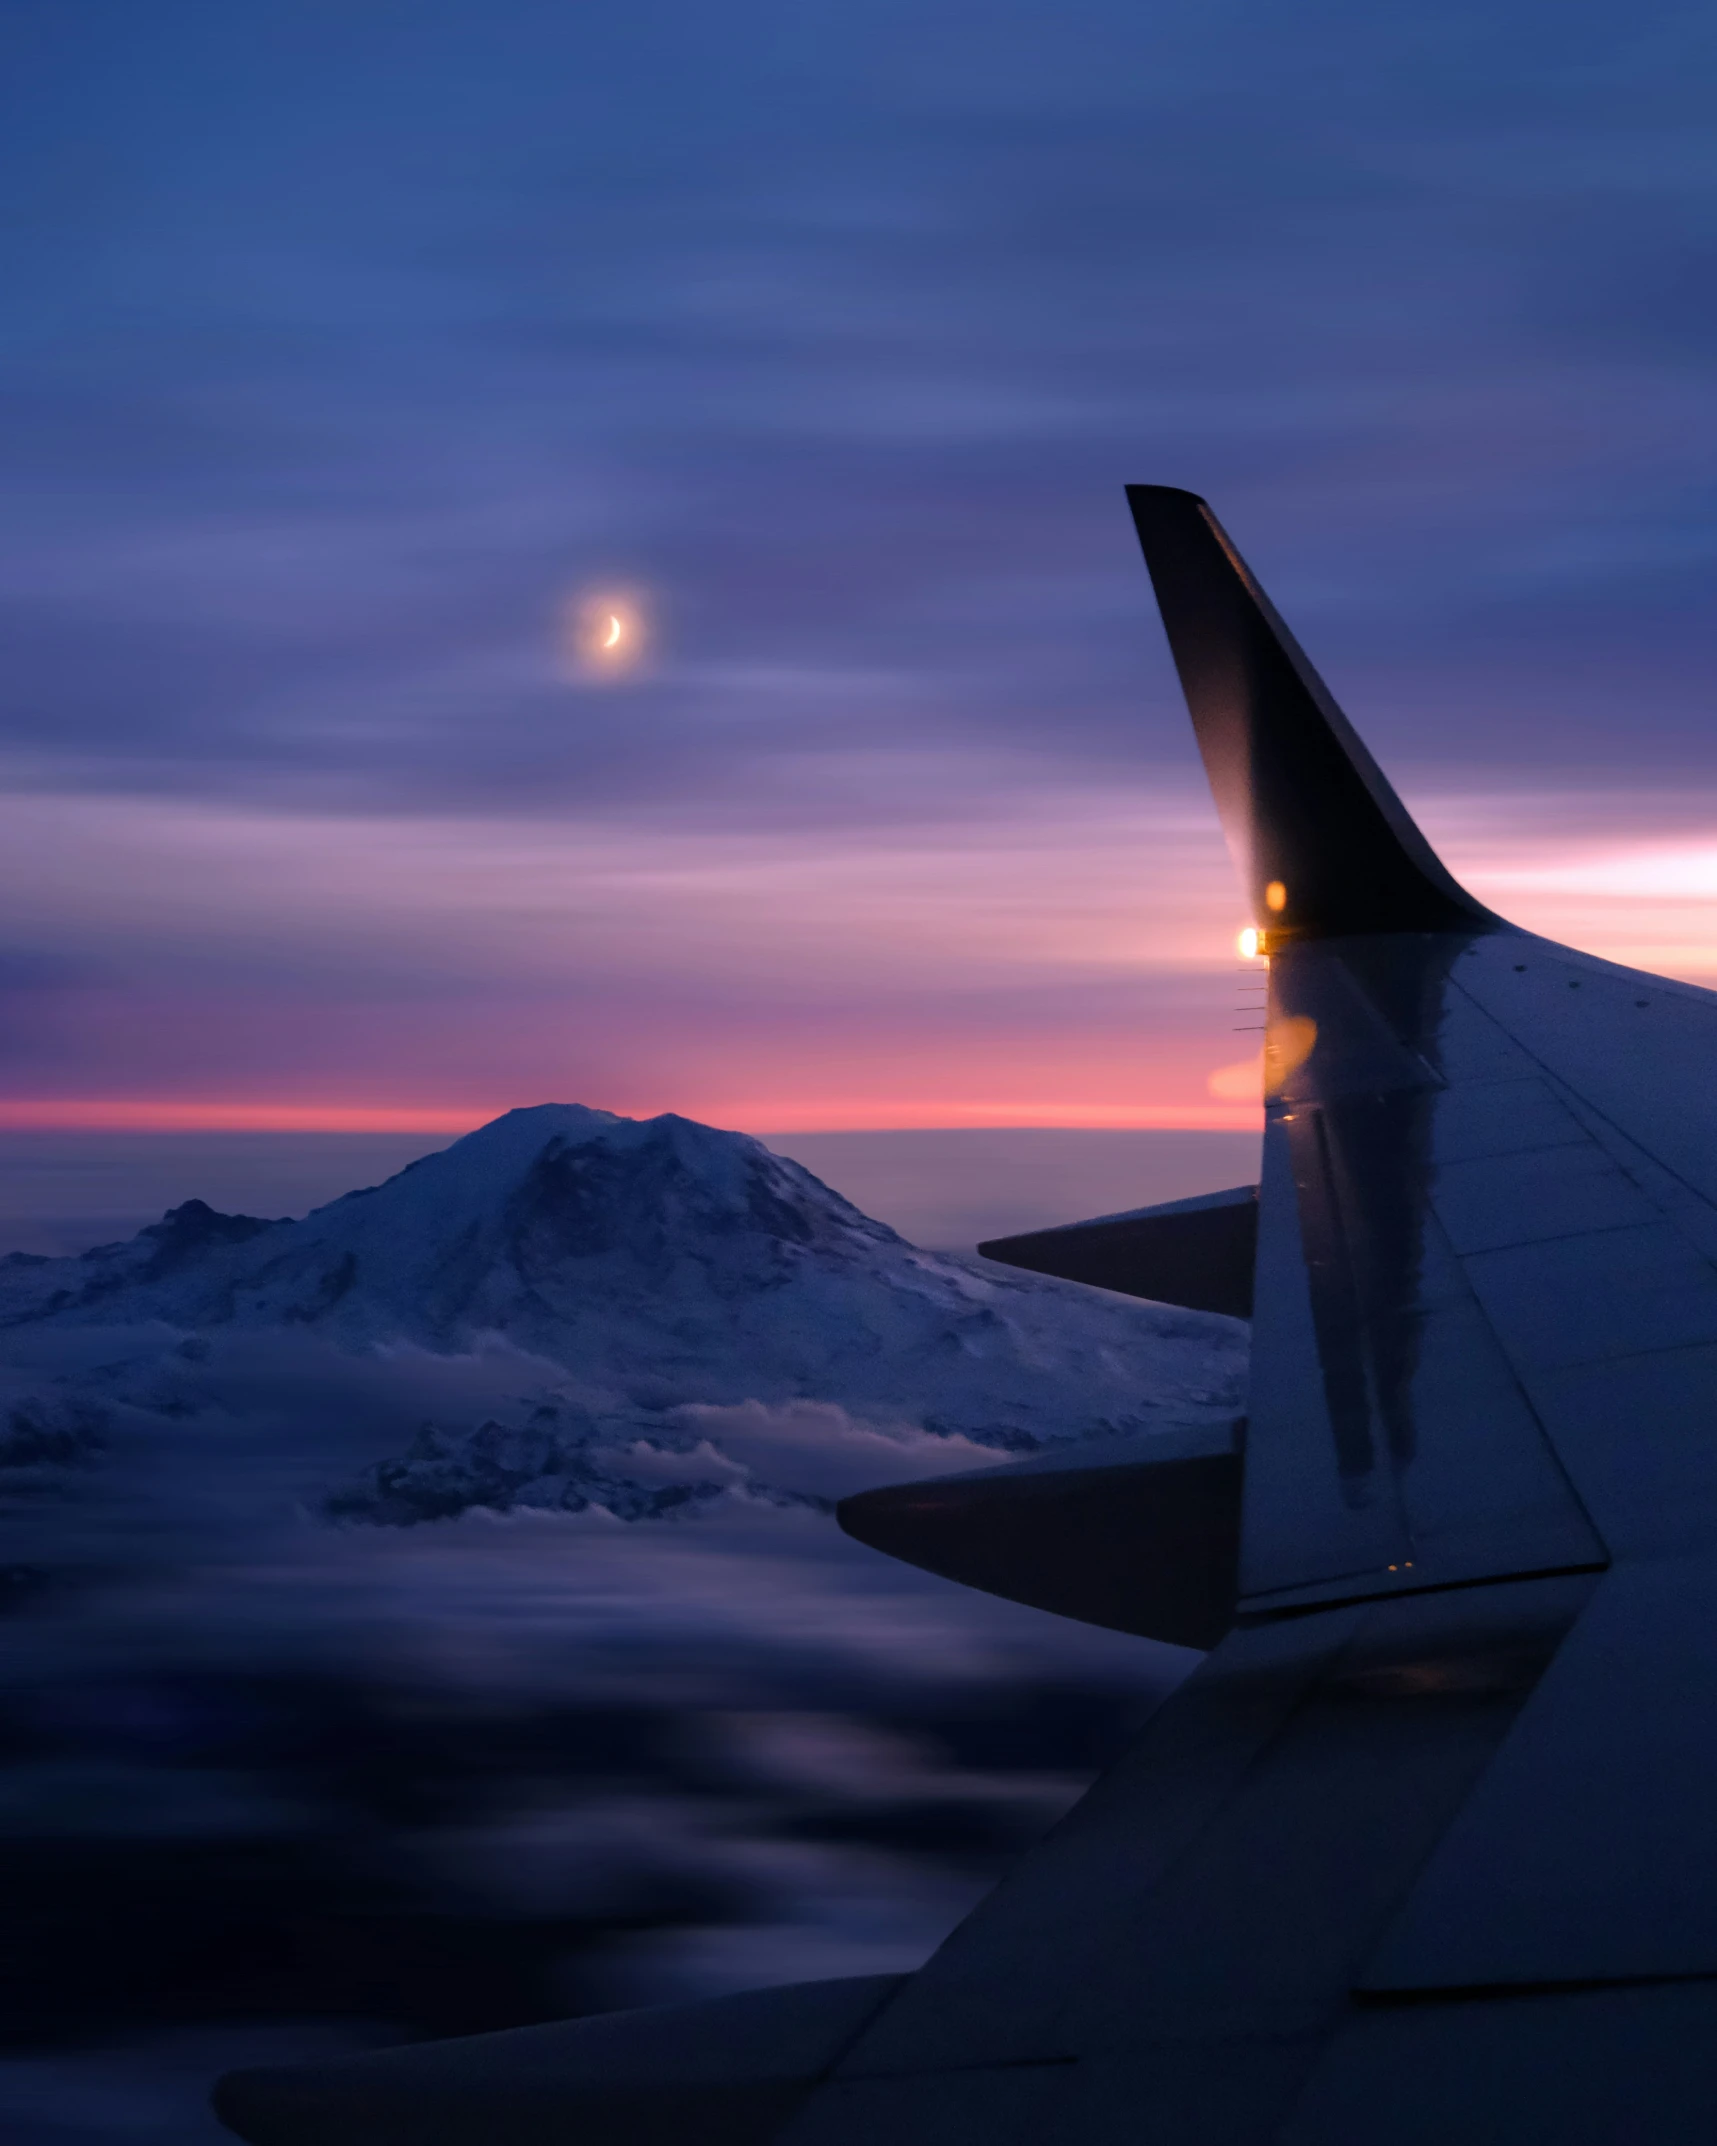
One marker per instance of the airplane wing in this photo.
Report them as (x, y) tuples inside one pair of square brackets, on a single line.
[(1197, 1252), (1419, 1852)]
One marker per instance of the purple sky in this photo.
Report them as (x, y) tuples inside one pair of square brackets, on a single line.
[(351, 346)]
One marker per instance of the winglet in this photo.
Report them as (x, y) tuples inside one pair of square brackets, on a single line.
[(1323, 845)]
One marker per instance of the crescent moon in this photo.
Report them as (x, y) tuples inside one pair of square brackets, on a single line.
[(611, 639)]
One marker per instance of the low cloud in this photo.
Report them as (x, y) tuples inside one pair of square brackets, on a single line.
[(817, 1447), (519, 1762)]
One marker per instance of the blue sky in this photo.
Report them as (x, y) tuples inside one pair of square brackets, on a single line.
[(346, 346)]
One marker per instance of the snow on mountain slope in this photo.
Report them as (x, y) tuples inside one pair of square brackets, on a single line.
[(665, 1266)]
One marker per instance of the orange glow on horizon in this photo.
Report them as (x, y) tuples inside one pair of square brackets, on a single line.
[(128, 1115), (1194, 1117)]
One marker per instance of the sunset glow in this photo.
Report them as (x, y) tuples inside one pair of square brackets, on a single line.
[(1070, 967), (649, 616)]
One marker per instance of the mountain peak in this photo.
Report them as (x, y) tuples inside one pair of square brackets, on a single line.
[(559, 1181), (526, 1225), (623, 1249), (189, 1230)]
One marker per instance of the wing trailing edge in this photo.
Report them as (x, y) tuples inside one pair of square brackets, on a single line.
[(1139, 1534), (727, 2071), (1196, 1253)]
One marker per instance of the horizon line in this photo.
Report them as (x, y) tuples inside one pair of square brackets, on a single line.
[(144, 1115)]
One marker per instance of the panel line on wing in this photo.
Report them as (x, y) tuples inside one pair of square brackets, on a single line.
[(1416, 1409)]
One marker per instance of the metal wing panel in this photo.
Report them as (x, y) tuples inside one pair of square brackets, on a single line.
[(1566, 1868), (1222, 1887), (1478, 1121), (1606, 1297), (1306, 1519), (1494, 1203), (1639, 1049), (1580, 1856), (1670, 1195), (1013, 1981), (1626, 1290), (1605, 2067), (1393, 1443)]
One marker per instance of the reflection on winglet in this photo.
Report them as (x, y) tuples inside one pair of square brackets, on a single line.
[(1323, 845)]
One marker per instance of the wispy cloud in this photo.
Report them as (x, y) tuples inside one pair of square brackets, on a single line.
[(334, 380)]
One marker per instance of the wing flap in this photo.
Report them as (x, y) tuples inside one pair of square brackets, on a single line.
[(1141, 1535), (726, 2070), (1394, 1442), (1196, 1253)]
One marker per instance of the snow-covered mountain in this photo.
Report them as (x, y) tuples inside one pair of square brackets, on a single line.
[(667, 1267)]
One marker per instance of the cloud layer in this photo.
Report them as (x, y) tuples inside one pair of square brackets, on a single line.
[(351, 350)]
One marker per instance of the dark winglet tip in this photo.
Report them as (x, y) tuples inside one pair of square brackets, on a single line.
[(1323, 845), (1136, 492)]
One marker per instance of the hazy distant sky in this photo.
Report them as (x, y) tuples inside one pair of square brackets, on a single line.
[(349, 343)]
